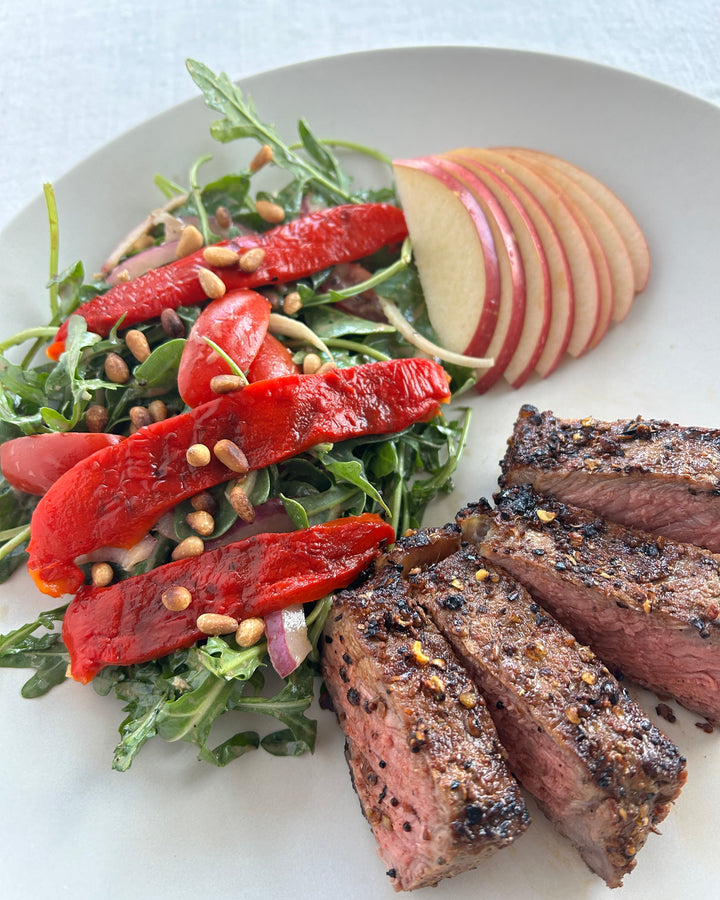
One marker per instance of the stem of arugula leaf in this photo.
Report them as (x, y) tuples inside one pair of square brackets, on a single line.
[(350, 145), (21, 534), (234, 367), (26, 335), (376, 279), (52, 212), (357, 347), (195, 193)]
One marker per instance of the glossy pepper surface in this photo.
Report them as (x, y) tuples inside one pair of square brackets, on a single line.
[(128, 623), (115, 496), (303, 246)]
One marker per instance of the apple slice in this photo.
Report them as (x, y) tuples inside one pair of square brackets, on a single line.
[(455, 254), (449, 319), (538, 299), (583, 269), (618, 258), (622, 218)]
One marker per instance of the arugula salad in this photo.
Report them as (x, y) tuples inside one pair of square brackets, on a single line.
[(118, 383)]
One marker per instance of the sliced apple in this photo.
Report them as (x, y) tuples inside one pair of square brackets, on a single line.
[(562, 314), (620, 215), (618, 258), (455, 254), (538, 298)]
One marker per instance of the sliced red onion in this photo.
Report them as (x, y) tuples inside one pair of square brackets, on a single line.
[(149, 222), (126, 559), (288, 643), (270, 517), (142, 262)]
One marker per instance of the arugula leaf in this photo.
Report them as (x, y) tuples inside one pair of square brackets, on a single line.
[(46, 653)]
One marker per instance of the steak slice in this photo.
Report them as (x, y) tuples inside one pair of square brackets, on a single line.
[(601, 772), (422, 749), (645, 604), (648, 474)]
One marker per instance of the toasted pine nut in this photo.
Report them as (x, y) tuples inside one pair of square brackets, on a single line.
[(212, 284), (190, 241), (214, 623), (231, 455), (201, 521), (158, 410), (198, 455), (252, 259), (137, 344), (102, 574), (249, 632), (172, 323), (292, 303), (270, 212), (240, 502), (261, 158), (205, 501), (176, 598), (311, 364), (140, 417), (116, 369), (226, 384), (220, 256), (326, 367), (190, 547), (223, 217), (96, 418)]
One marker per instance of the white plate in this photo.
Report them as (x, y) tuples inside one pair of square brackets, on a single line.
[(264, 827)]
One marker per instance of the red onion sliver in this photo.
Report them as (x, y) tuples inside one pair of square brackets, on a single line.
[(288, 643)]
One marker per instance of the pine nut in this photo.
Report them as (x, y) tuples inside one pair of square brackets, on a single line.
[(205, 501), (292, 303), (262, 158), (198, 455), (176, 598), (226, 384), (140, 417), (96, 418), (270, 212), (191, 240), (240, 502), (249, 632), (212, 284), (201, 521), (231, 455), (220, 256), (311, 364), (137, 344), (172, 323), (192, 546), (326, 367), (223, 218), (158, 410), (101, 574), (214, 624), (116, 369), (252, 260)]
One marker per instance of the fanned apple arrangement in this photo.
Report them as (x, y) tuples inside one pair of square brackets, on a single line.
[(538, 256)]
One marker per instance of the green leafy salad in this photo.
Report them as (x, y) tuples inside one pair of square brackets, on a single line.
[(341, 317)]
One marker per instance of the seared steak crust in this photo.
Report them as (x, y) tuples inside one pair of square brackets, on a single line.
[(598, 767), (422, 749), (649, 474), (645, 604)]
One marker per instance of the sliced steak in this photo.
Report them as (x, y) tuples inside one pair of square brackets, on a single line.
[(648, 474), (645, 604), (422, 749), (598, 767)]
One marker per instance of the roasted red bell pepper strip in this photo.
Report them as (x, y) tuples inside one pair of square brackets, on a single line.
[(34, 462), (128, 623), (272, 361), (115, 496), (237, 323), (303, 246)]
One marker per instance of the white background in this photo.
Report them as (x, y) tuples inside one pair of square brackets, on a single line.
[(75, 74)]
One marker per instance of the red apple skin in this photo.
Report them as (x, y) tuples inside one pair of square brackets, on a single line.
[(488, 300), (511, 314), (538, 297), (561, 285)]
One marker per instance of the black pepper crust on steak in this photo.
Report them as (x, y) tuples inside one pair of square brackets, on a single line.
[(648, 474), (647, 605), (598, 767), (422, 749)]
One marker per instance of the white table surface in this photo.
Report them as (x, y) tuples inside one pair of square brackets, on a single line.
[(73, 75)]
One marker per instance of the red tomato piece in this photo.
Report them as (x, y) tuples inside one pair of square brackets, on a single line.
[(237, 323), (273, 360), (34, 463)]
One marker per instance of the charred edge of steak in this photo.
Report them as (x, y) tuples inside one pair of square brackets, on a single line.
[(646, 604), (422, 749), (598, 767), (420, 548)]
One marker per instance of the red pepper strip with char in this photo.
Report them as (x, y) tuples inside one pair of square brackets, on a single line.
[(114, 497), (127, 622), (309, 244)]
